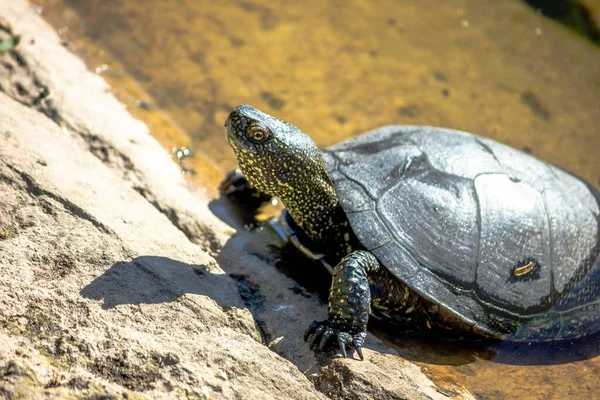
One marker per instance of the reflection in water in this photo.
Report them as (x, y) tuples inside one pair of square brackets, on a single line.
[(337, 69), (434, 350), (560, 352)]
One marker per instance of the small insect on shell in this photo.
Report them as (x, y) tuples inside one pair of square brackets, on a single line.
[(524, 270)]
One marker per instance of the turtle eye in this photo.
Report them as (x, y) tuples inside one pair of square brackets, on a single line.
[(258, 135)]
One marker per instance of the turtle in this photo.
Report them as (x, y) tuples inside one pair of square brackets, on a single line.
[(453, 232)]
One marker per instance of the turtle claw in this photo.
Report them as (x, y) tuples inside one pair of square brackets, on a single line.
[(311, 329), (234, 181), (359, 352), (322, 332), (342, 345), (318, 333), (235, 186), (325, 338)]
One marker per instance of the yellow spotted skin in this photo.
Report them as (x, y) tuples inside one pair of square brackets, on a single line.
[(280, 160), (289, 165)]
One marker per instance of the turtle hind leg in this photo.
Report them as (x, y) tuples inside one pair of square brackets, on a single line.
[(349, 304)]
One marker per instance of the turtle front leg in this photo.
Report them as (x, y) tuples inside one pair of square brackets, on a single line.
[(349, 304), (236, 187)]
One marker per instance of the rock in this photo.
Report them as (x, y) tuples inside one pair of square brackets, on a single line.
[(109, 285), (101, 294), (102, 288), (81, 103)]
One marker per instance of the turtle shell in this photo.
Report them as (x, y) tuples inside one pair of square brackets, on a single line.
[(508, 243)]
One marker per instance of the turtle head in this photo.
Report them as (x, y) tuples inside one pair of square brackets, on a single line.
[(275, 156), (279, 159)]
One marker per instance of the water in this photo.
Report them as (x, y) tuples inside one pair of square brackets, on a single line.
[(339, 68)]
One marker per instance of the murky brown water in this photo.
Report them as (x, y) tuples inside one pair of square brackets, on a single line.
[(338, 68)]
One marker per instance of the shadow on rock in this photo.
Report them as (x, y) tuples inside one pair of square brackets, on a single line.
[(281, 307), (232, 214), (152, 280)]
